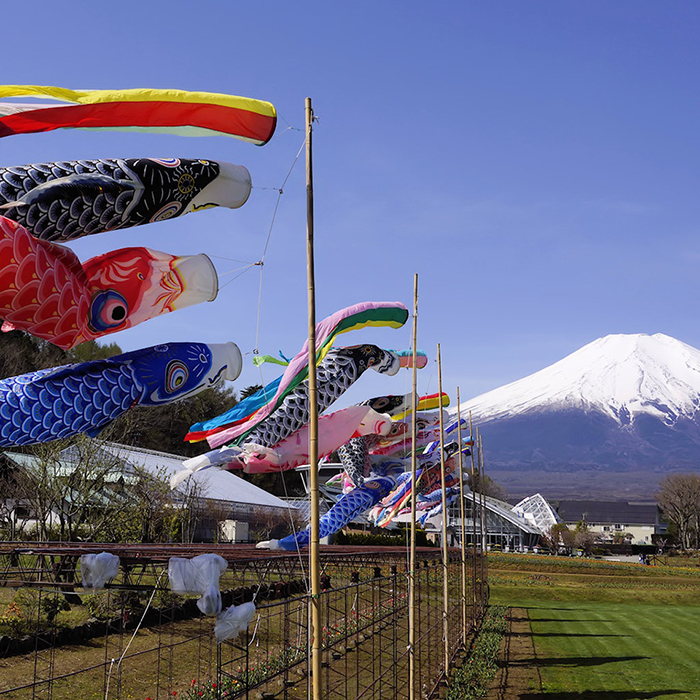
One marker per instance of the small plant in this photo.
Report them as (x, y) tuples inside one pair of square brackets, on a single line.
[(472, 680), (106, 605), (97, 605), (50, 607), (31, 612), (13, 620)]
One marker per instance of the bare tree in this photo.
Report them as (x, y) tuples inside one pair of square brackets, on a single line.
[(82, 489), (32, 489), (266, 523), (679, 499), (68, 488), (559, 536), (12, 511), (192, 508), (584, 539)]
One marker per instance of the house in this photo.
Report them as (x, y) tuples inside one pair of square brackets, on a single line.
[(633, 522)]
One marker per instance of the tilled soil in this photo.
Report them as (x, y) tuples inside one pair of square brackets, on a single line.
[(519, 675)]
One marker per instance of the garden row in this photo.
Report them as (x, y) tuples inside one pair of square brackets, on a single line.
[(39, 626)]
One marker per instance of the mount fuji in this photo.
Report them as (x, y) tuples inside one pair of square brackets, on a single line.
[(610, 419)]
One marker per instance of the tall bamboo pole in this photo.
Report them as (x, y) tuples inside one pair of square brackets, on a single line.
[(486, 522), (445, 587), (412, 562), (483, 529), (463, 530), (477, 445), (473, 489), (314, 600)]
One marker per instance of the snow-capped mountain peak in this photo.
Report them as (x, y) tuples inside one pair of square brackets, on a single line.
[(621, 376)]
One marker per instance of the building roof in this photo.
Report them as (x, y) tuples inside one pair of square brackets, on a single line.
[(213, 484), (608, 512), (536, 510), (506, 511)]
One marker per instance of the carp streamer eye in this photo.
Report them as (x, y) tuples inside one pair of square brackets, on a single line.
[(176, 374), (186, 183), (108, 311)]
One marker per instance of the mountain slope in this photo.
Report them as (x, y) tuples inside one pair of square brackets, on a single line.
[(620, 403), (622, 376)]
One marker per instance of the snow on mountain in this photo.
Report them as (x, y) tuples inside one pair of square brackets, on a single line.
[(621, 376)]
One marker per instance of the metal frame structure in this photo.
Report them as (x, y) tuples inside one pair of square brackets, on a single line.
[(363, 606), (505, 527)]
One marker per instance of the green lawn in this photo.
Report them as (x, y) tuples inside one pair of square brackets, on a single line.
[(616, 651), (599, 634)]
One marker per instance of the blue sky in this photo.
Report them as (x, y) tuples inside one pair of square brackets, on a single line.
[(535, 163)]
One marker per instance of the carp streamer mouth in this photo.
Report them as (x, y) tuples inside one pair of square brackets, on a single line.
[(218, 376)]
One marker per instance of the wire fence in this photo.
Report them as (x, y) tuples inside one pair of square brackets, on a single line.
[(135, 639)]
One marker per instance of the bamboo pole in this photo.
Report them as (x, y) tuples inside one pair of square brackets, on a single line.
[(314, 600), (473, 490), (486, 523), (412, 562), (445, 587), (481, 519), (463, 519), (482, 530)]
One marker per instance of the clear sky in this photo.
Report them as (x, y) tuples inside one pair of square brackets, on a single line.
[(537, 164)]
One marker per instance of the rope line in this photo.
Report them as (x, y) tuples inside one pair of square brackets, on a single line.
[(237, 269), (292, 524), (220, 257), (225, 284), (136, 631), (267, 241), (293, 527)]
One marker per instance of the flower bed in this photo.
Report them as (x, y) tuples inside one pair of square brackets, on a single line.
[(473, 678)]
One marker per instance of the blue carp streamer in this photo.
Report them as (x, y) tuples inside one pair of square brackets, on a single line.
[(83, 398), (346, 509)]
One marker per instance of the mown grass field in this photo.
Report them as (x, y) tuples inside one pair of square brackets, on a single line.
[(605, 630)]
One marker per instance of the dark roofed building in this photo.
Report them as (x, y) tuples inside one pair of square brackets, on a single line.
[(636, 522)]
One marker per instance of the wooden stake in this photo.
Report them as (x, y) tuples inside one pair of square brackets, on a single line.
[(314, 566), (482, 519), (486, 524)]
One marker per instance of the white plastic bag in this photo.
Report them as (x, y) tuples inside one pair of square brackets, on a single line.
[(199, 575), (97, 569), (234, 620)]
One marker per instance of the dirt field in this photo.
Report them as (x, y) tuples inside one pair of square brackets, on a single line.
[(519, 675)]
